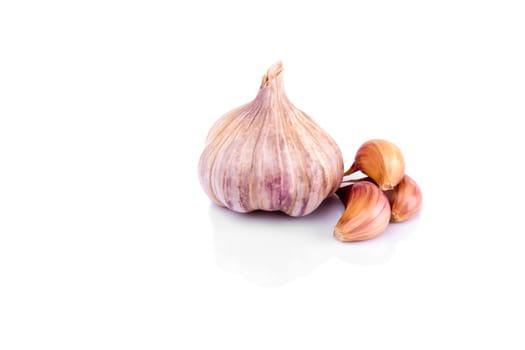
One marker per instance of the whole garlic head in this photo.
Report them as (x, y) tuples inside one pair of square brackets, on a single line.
[(268, 155)]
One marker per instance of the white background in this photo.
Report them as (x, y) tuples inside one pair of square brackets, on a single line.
[(108, 242)]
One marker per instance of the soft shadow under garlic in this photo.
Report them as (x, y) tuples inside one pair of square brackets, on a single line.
[(271, 248)]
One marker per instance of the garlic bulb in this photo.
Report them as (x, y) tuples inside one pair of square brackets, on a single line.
[(268, 155)]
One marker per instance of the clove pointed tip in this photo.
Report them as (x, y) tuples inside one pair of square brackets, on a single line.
[(344, 237), (354, 168)]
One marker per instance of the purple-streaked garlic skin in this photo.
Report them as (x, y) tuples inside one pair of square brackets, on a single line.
[(268, 155)]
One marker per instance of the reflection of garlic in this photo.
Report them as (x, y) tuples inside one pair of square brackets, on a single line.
[(269, 155)]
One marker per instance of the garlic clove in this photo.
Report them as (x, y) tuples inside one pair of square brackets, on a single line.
[(405, 200), (269, 155), (366, 215), (382, 161)]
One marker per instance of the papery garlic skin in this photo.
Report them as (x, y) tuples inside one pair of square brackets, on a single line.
[(268, 155)]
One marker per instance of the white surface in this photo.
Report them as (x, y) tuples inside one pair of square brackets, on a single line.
[(108, 242)]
